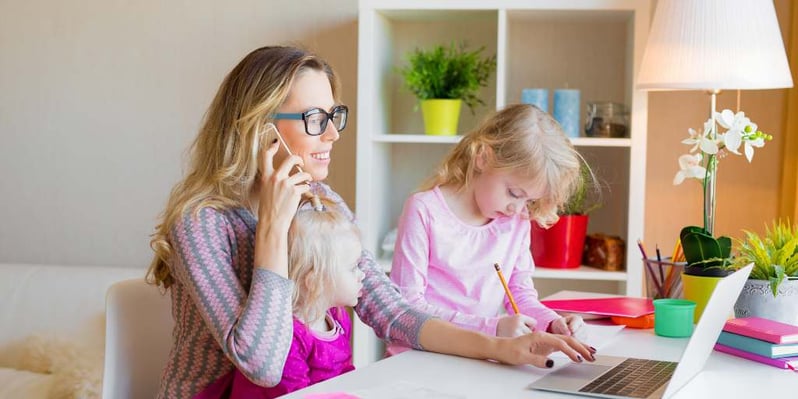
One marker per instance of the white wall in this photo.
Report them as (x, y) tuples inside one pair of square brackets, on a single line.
[(99, 99)]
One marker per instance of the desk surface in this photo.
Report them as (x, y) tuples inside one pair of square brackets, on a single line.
[(724, 376)]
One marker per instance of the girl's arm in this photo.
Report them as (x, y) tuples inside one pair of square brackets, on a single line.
[(254, 327), (523, 289), (410, 266)]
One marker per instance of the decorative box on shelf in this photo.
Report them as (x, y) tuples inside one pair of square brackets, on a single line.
[(604, 252)]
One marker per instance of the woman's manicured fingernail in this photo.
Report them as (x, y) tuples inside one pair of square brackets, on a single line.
[(592, 349), (579, 358), (549, 363)]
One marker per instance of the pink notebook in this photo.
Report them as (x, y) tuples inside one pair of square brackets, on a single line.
[(764, 329), (781, 362), (614, 306)]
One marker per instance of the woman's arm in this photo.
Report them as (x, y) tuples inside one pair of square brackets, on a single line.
[(440, 336), (381, 307), (253, 328)]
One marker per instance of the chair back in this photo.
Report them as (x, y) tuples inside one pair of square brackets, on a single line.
[(138, 337)]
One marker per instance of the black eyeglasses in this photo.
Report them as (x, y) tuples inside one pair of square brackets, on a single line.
[(316, 119)]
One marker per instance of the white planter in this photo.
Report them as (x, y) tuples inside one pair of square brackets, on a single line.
[(756, 299)]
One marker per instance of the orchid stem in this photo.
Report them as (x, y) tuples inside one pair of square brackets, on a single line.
[(712, 166)]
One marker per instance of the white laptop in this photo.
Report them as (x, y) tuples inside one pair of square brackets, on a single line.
[(622, 377)]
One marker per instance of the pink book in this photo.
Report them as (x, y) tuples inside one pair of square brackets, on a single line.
[(764, 329), (790, 363), (614, 306)]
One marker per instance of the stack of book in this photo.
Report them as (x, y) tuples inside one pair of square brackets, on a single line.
[(762, 340)]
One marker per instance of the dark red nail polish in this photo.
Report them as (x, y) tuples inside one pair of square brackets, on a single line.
[(549, 363)]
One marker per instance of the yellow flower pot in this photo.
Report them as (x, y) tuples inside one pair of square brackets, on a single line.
[(698, 289), (441, 116)]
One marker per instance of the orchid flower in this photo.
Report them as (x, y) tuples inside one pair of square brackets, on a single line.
[(690, 167), (740, 131), (702, 140)]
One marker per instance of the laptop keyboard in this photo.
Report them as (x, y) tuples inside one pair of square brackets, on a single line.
[(636, 378)]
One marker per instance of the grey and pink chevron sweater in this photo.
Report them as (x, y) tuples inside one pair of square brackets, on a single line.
[(229, 314)]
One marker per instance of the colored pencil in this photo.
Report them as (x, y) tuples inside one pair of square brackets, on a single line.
[(648, 266), (662, 292), (506, 288)]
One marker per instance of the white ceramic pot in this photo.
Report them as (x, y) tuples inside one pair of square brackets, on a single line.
[(756, 299)]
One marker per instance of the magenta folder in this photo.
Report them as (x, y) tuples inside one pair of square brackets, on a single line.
[(614, 306)]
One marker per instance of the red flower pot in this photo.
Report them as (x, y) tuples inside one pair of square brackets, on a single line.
[(561, 245)]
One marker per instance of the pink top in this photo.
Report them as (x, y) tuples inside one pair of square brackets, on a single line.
[(444, 267), (313, 357)]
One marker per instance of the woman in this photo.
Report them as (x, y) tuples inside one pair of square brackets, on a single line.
[(221, 247)]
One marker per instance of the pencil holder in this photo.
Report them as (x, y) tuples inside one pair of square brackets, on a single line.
[(663, 278)]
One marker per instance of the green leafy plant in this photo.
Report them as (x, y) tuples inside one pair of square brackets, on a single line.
[(586, 196), (775, 255), (448, 73)]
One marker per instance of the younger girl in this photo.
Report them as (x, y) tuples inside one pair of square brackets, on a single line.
[(517, 165), (324, 247)]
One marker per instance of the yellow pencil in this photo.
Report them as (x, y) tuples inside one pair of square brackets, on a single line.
[(506, 288)]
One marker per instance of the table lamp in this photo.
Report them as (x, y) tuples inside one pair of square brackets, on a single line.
[(714, 45)]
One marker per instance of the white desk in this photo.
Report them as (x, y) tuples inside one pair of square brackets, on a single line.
[(724, 376)]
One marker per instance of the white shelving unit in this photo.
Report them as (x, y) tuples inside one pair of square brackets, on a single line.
[(593, 45)]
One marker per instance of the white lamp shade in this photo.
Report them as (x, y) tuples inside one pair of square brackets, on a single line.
[(714, 45)]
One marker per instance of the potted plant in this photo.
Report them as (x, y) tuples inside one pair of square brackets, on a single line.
[(771, 291), (709, 257), (562, 244), (444, 77)]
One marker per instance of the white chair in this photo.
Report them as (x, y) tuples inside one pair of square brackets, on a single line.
[(138, 337)]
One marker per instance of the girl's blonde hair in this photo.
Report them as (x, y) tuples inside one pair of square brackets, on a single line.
[(315, 240), (224, 156), (523, 139)]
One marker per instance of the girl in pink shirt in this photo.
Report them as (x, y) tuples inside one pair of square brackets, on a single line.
[(474, 212), (324, 248)]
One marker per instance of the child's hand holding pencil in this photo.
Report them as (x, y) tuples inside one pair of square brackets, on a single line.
[(571, 325)]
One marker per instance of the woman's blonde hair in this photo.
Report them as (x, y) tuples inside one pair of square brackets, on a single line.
[(523, 139), (315, 240), (224, 156)]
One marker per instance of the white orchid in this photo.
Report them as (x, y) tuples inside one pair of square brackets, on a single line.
[(690, 166), (702, 140), (739, 131)]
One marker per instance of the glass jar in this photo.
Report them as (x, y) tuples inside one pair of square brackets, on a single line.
[(606, 119)]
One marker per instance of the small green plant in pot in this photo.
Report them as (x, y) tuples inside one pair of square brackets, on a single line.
[(772, 288), (444, 77)]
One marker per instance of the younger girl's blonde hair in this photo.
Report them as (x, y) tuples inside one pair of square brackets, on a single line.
[(523, 139), (315, 240), (224, 156)]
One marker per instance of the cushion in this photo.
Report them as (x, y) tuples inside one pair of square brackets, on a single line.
[(24, 384)]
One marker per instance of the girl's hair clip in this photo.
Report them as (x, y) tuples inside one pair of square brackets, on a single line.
[(317, 205)]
